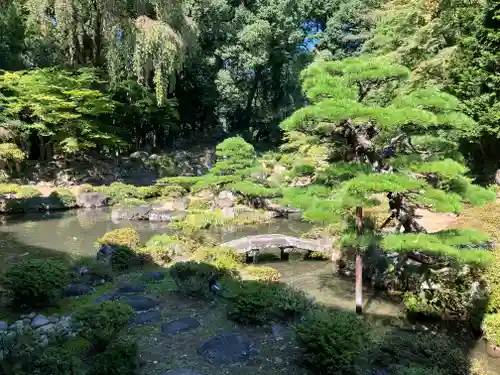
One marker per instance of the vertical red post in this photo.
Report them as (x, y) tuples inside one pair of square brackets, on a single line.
[(359, 263)]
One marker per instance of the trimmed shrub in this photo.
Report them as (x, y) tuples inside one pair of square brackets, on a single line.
[(224, 258), (491, 328), (36, 282), (123, 236), (125, 243), (172, 191), (63, 198), (192, 278), (249, 302), (254, 302), (101, 323), (437, 352), (131, 202), (96, 270), (55, 361), (120, 358), (331, 342)]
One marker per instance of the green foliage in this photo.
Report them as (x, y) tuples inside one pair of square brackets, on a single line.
[(225, 259), (436, 352), (102, 322), (192, 278), (121, 357), (255, 302), (59, 105), (491, 328), (96, 270), (55, 361), (64, 197), (233, 154), (10, 152), (123, 194), (331, 342), (446, 244), (128, 237), (265, 274), (35, 282)]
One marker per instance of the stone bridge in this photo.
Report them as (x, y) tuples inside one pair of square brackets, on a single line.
[(251, 245)]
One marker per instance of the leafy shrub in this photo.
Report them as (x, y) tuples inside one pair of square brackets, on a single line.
[(124, 242), (491, 328), (414, 304), (55, 361), (101, 323), (34, 282), (433, 351), (289, 303), (123, 236), (267, 274), (332, 341), (254, 302), (156, 254), (184, 181), (96, 270), (63, 197), (10, 151), (120, 358), (249, 302), (118, 192), (172, 191), (303, 170), (224, 258), (192, 278)]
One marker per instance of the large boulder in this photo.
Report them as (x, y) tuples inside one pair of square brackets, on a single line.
[(165, 216), (131, 213), (180, 204), (226, 198), (92, 200)]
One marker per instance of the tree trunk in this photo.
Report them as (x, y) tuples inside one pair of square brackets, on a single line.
[(359, 263)]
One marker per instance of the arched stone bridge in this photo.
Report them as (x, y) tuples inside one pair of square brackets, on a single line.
[(251, 245)]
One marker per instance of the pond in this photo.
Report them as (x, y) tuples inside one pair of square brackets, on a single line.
[(74, 232)]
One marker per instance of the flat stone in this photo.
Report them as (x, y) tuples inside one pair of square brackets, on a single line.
[(181, 371), (106, 297), (39, 320), (31, 315), (73, 290), (3, 326), (147, 317), (131, 288), (179, 326), (228, 348), (139, 303), (154, 275)]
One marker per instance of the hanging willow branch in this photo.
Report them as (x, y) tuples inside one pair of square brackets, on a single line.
[(142, 39)]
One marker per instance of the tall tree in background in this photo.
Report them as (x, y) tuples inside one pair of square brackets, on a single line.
[(475, 77)]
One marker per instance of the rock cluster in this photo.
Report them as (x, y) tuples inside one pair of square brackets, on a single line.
[(35, 331)]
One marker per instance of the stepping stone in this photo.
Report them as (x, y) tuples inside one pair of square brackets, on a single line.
[(181, 371), (73, 290), (155, 276), (228, 348), (147, 317), (139, 303), (179, 326), (106, 297), (131, 288)]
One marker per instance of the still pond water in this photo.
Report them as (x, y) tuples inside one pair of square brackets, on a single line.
[(73, 233)]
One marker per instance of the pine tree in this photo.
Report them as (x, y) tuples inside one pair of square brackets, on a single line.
[(373, 131)]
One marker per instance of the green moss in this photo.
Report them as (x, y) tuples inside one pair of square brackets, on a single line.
[(267, 274), (131, 202)]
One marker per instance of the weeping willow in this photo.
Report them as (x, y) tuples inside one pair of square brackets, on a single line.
[(145, 39)]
